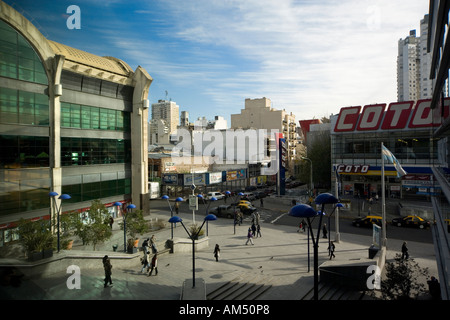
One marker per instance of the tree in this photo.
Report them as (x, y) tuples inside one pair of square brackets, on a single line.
[(402, 279), (136, 224), (35, 236), (94, 230)]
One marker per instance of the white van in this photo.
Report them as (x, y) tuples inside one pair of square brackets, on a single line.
[(217, 195)]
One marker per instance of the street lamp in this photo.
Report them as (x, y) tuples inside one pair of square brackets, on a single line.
[(52, 195), (179, 199), (175, 219), (306, 211), (311, 185), (129, 208), (200, 196), (240, 194)]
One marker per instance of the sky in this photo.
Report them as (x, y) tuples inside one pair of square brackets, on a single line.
[(309, 57)]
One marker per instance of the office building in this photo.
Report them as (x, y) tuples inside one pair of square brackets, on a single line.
[(70, 122)]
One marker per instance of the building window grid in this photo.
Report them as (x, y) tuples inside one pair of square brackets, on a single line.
[(93, 118), (408, 148), (89, 151), (18, 59)]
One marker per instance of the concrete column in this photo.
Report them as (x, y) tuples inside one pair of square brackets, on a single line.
[(139, 140)]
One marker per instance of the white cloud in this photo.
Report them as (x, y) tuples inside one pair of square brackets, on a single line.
[(310, 57)]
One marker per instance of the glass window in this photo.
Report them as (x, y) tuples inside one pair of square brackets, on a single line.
[(95, 118), (65, 114), (18, 59), (86, 117), (75, 116), (91, 85), (103, 119)]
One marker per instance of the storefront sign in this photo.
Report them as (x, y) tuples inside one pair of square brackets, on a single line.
[(351, 168), (399, 115)]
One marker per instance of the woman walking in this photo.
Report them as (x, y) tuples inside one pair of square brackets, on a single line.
[(217, 252), (107, 267)]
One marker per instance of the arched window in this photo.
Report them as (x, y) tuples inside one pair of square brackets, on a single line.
[(18, 59)]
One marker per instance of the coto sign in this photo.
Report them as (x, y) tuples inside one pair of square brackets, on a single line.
[(399, 115), (352, 168)]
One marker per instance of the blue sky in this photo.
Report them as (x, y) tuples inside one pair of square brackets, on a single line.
[(309, 57)]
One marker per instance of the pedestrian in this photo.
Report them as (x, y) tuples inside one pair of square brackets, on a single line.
[(177, 207), (258, 231), (331, 249), (324, 230), (108, 270), (434, 288), (154, 265), (405, 254), (144, 261), (111, 221), (153, 244), (262, 202), (253, 229), (300, 226), (145, 245), (217, 252), (249, 237)]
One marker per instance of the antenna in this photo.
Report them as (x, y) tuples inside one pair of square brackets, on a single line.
[(166, 94)]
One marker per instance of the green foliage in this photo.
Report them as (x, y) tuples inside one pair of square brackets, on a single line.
[(35, 236), (136, 224), (402, 279), (93, 230)]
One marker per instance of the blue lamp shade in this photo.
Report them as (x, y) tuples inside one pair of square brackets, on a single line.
[(200, 196), (302, 211), (339, 205), (53, 194), (326, 198), (64, 197), (240, 193), (165, 197), (227, 193), (210, 217), (175, 219), (213, 199), (131, 206), (117, 204), (179, 199)]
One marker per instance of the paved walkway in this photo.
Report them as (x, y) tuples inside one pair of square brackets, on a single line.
[(279, 257)]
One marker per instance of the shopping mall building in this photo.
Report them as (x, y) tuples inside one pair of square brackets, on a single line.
[(70, 122), (405, 128)]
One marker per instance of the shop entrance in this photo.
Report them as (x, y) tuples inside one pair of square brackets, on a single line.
[(359, 190)]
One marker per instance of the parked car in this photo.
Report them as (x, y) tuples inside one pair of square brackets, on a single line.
[(245, 207), (411, 221), (248, 196), (367, 221), (217, 195), (223, 211)]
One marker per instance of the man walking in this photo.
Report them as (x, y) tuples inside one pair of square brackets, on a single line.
[(405, 254)]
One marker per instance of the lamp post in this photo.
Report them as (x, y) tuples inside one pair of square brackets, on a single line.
[(306, 211), (200, 196), (179, 199), (129, 208), (52, 195), (240, 194), (175, 219), (311, 185), (337, 206)]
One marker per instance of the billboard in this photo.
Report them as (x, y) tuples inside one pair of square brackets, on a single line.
[(403, 115)]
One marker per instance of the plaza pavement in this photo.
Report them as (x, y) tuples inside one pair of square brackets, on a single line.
[(279, 258)]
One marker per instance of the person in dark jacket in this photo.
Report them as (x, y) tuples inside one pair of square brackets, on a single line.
[(108, 270)]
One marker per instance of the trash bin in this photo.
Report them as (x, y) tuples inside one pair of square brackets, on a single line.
[(115, 247), (372, 252)]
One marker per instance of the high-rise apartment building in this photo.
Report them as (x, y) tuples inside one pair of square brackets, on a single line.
[(259, 114), (413, 65), (165, 119)]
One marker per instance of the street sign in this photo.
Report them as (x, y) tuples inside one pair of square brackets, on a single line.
[(193, 187), (193, 202)]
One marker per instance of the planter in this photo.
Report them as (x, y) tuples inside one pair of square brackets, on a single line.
[(131, 249), (47, 253), (35, 256)]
